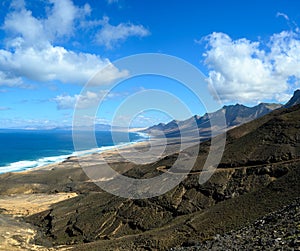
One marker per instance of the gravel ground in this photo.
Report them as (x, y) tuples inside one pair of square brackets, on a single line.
[(277, 231)]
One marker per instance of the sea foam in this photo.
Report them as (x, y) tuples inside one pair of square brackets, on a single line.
[(29, 164)]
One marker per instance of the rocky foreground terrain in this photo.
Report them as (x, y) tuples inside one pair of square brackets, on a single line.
[(259, 174), (279, 230)]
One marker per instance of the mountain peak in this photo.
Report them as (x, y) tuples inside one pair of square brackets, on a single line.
[(234, 114), (295, 100), (236, 105)]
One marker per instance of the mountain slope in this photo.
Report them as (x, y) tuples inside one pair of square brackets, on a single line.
[(295, 100), (234, 114), (275, 231), (259, 173)]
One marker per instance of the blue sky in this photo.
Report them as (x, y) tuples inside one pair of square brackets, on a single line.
[(249, 51)]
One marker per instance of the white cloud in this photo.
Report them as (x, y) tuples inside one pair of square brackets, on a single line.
[(54, 63), (107, 74), (60, 21), (292, 24), (65, 101), (285, 16), (31, 54), (110, 35), (242, 71), (61, 17), (25, 30), (285, 53), (83, 101)]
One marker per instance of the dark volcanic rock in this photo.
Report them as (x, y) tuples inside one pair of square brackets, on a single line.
[(275, 140), (279, 230), (295, 100), (234, 114)]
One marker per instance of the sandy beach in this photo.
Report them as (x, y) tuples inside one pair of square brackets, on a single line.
[(15, 234)]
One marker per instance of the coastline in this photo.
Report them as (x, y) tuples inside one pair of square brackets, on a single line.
[(44, 162), (20, 200), (35, 191), (109, 151)]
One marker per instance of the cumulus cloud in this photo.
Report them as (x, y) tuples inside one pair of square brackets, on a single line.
[(61, 18), (54, 63), (245, 71), (83, 101), (107, 74), (30, 52), (27, 30), (110, 35)]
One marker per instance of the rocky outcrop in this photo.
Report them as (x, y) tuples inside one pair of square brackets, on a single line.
[(295, 100), (279, 230)]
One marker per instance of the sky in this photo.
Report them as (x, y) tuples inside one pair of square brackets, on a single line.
[(50, 50)]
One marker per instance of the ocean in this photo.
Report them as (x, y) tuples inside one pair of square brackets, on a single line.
[(24, 149)]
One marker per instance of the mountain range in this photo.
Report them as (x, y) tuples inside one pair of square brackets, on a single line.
[(259, 173), (239, 207), (235, 115)]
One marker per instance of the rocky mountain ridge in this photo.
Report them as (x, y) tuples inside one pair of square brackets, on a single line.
[(235, 115), (259, 173), (294, 100)]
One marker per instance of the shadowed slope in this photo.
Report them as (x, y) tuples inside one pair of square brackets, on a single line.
[(259, 173)]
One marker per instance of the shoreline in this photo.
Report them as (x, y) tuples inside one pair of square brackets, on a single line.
[(107, 152), (46, 162)]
